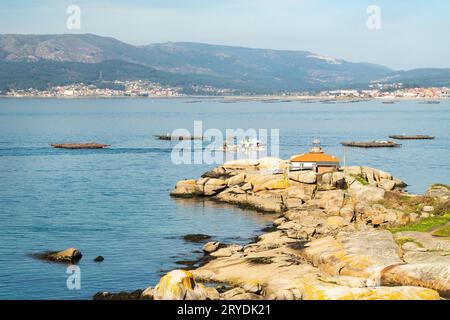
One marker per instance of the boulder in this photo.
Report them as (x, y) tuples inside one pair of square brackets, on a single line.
[(228, 251), (367, 194), (430, 271), (209, 186), (375, 175), (267, 182), (271, 163), (439, 191), (211, 247), (358, 254), (70, 255), (266, 201), (212, 293), (308, 177), (184, 188), (333, 180), (179, 285), (253, 164), (331, 198), (239, 294), (387, 185), (336, 222), (241, 164), (324, 291), (236, 180), (148, 293), (347, 211), (353, 171), (252, 287), (304, 192)]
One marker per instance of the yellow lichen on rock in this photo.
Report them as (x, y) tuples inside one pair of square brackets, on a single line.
[(179, 285), (322, 291)]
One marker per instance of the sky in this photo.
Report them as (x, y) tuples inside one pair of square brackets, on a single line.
[(411, 34)]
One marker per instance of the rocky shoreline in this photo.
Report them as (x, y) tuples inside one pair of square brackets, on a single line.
[(352, 234)]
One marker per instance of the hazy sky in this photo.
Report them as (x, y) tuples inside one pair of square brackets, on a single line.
[(413, 33)]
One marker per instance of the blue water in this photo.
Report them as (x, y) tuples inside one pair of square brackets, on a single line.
[(115, 202)]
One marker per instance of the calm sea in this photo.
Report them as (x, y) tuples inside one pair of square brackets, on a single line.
[(115, 202)]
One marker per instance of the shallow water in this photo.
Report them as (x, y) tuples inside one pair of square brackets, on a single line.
[(115, 202)]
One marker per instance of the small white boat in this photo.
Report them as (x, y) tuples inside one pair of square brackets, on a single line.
[(246, 145)]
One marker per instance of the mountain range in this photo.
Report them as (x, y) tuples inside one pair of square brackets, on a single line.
[(40, 61)]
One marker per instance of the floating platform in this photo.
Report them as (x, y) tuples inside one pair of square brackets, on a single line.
[(89, 145), (371, 144), (415, 137), (179, 138), (388, 102), (431, 102)]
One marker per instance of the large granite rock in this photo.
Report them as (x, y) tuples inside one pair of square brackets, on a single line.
[(70, 255), (440, 192), (329, 199), (323, 291), (184, 188), (425, 270), (179, 285), (308, 177), (360, 254), (367, 194)]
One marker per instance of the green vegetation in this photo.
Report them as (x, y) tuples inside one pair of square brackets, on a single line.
[(360, 179), (408, 204), (442, 232), (424, 225), (402, 241)]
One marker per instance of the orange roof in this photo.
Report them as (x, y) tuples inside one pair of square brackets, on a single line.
[(314, 157)]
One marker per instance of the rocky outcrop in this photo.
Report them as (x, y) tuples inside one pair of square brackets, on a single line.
[(247, 183), (179, 285), (330, 240)]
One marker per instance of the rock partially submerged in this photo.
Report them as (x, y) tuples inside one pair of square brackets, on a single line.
[(197, 237), (70, 255)]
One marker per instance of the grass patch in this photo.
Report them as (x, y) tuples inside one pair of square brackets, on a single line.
[(408, 204), (442, 232), (360, 179), (402, 241), (424, 225)]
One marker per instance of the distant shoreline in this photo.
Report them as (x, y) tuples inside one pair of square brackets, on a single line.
[(242, 98)]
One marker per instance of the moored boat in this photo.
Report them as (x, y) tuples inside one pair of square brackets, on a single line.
[(431, 102), (172, 137)]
